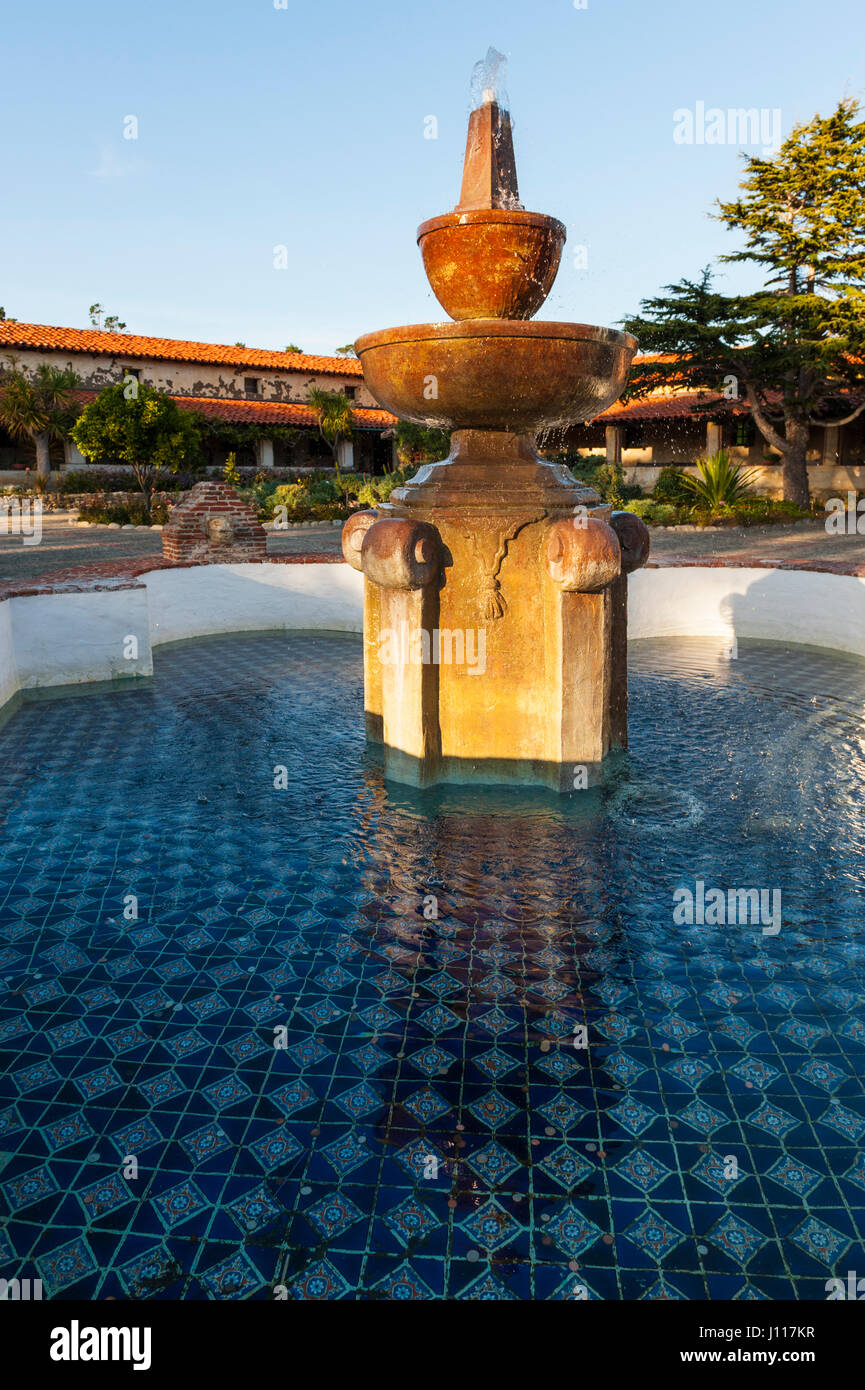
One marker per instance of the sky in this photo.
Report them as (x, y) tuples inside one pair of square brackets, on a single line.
[(267, 124)]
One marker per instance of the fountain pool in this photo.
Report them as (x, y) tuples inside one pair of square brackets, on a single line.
[(337, 1040)]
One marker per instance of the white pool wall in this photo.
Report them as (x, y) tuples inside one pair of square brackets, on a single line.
[(66, 638)]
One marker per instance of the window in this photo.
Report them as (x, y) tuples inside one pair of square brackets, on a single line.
[(250, 385), (132, 371), (350, 391), (744, 433)]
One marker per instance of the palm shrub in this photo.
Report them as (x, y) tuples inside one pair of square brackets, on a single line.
[(40, 408), (720, 483), (333, 416)]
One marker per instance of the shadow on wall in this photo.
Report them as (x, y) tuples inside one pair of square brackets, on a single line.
[(800, 607)]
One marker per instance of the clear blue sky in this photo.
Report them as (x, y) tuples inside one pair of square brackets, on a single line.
[(304, 126)]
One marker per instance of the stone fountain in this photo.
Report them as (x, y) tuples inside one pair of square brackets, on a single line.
[(495, 594)]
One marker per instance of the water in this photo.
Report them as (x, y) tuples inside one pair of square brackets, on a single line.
[(429, 1128)]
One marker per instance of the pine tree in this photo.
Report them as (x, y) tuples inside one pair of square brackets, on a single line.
[(794, 350)]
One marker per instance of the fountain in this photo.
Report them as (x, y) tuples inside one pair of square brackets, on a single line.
[(495, 594), (476, 1044)]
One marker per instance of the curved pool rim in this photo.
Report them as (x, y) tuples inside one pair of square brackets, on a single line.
[(104, 625)]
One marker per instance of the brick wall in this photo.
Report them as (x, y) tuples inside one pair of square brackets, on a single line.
[(213, 526)]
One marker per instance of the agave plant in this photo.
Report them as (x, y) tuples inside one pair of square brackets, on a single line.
[(721, 482)]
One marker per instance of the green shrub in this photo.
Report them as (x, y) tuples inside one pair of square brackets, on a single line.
[(665, 514), (641, 506), (378, 490), (307, 499), (134, 514), (606, 478), (260, 493), (758, 511), (115, 480), (321, 498), (672, 487), (369, 495), (418, 444), (749, 511), (655, 513)]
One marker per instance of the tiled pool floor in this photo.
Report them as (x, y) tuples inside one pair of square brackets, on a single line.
[(425, 1126)]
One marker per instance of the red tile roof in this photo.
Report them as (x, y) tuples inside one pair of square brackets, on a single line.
[(279, 412), (266, 412), (669, 405), (93, 340)]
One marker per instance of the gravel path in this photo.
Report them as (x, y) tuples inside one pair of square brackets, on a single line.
[(64, 546)]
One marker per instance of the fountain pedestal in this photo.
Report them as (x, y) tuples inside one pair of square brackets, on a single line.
[(495, 583)]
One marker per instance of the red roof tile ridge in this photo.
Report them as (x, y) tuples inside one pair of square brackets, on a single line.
[(96, 340)]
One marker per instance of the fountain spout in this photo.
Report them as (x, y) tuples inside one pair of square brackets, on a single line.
[(489, 169)]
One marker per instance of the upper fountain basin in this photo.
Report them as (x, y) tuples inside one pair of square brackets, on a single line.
[(494, 374), (491, 263)]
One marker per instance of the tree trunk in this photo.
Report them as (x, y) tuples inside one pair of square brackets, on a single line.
[(43, 461), (792, 446), (144, 477), (794, 465)]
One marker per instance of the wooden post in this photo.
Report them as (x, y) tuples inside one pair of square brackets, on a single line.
[(614, 435), (714, 438), (831, 446)]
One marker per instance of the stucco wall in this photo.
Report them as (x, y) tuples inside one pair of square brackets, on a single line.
[(249, 598), (824, 480), (195, 378), (67, 639)]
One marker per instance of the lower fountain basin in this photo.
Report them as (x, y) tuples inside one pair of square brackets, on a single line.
[(496, 374)]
